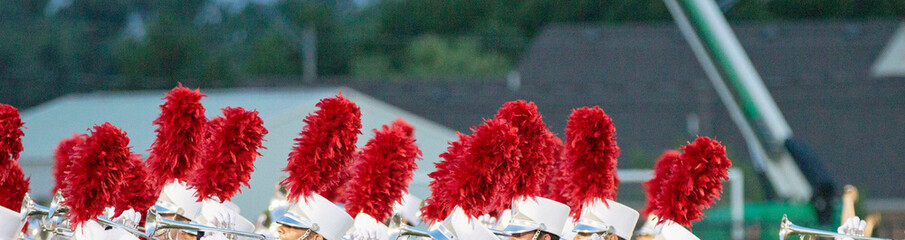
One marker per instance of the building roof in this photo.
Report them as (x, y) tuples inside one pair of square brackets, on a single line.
[(647, 79), (281, 109)]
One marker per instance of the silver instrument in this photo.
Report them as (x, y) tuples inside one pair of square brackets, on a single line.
[(787, 229), (400, 230), (153, 223), (52, 219)]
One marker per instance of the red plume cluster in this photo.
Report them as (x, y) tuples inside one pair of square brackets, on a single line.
[(338, 194), (405, 127), (443, 188), (229, 154), (179, 135), (381, 175), (662, 170), (14, 186), (553, 188), (696, 182), (99, 166), (10, 135), (12, 180), (139, 190), (591, 154), (325, 148), (61, 154), (533, 146), (474, 168)]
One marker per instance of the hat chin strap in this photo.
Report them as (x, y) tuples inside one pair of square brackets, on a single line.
[(536, 234), (307, 232)]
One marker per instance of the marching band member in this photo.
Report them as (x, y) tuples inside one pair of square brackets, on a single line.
[(227, 160), (591, 158), (314, 218), (472, 177), (324, 149), (662, 170), (689, 184), (379, 178), (538, 151), (98, 178), (175, 154)]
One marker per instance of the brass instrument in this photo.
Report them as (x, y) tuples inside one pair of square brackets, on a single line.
[(56, 210), (787, 229), (400, 230), (153, 223)]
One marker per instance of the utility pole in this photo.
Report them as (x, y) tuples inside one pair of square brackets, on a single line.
[(302, 40), (309, 54)]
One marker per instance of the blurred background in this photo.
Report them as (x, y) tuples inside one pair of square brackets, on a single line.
[(835, 68)]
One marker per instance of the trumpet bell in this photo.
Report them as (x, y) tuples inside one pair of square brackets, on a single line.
[(399, 230)]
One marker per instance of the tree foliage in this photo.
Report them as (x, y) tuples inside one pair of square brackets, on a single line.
[(86, 45)]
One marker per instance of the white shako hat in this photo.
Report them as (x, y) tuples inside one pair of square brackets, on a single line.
[(176, 197), (211, 207), (537, 213), (567, 232), (459, 226), (408, 208), (319, 215), (365, 221), (596, 216), (649, 227), (673, 231), (11, 223)]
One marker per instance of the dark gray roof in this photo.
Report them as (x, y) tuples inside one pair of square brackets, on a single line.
[(646, 78)]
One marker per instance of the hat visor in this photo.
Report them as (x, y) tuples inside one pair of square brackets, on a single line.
[(161, 209), (441, 233), (585, 228), (516, 229), (293, 220)]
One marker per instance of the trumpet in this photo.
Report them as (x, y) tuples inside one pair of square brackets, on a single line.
[(57, 209), (153, 223), (399, 230), (31, 209), (786, 228)]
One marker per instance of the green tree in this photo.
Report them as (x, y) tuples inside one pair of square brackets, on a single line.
[(431, 56)]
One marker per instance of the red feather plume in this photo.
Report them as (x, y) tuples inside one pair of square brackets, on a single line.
[(229, 154), (382, 174), (662, 170), (404, 126), (534, 147), (14, 185), (696, 182), (591, 154), (553, 188), (487, 164), (99, 166), (444, 192), (324, 149), (138, 191), (338, 194), (61, 154), (180, 131), (10, 136)]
